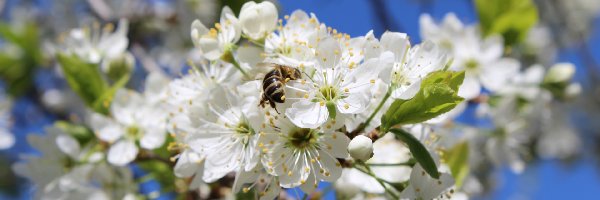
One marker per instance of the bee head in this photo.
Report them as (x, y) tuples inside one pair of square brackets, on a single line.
[(296, 74)]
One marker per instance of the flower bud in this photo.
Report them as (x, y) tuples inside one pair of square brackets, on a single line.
[(258, 20), (361, 148), (562, 72), (118, 67)]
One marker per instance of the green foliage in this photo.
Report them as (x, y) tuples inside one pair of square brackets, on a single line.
[(438, 94), (159, 169), (418, 151), (86, 80), (17, 63), (457, 158), (510, 18), (81, 133), (102, 104)]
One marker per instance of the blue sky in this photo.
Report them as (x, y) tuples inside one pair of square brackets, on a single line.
[(544, 180)]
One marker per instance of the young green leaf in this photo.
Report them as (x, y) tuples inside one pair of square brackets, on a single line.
[(81, 133), (84, 78), (102, 104), (438, 94), (17, 70), (510, 18), (418, 150), (457, 159)]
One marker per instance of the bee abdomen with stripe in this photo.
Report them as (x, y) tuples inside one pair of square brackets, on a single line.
[(274, 84)]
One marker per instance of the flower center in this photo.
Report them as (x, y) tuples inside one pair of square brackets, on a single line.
[(133, 132), (243, 131), (302, 138), (398, 78), (328, 92), (471, 65), (284, 50)]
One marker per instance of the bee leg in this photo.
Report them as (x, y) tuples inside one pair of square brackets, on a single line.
[(262, 102), (274, 106)]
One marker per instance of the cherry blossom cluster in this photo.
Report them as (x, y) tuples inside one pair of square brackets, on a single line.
[(375, 116)]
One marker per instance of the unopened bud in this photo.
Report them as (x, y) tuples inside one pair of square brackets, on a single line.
[(561, 72), (361, 148), (120, 66), (258, 19)]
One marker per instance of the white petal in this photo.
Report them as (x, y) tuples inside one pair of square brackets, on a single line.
[(327, 56), (210, 47), (272, 191), (494, 76), (155, 86), (153, 138), (198, 30), (306, 114), (395, 42), (105, 128), (428, 26), (331, 165), (426, 187), (407, 92), (492, 48), (122, 152), (339, 143), (125, 105), (188, 164), (470, 88), (355, 102), (244, 177), (68, 145), (310, 185)]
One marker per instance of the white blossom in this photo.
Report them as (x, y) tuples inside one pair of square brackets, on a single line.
[(217, 41), (302, 157), (258, 19), (96, 44)]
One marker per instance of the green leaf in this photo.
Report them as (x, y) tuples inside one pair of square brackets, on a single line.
[(457, 159), (81, 133), (84, 78), (438, 94), (418, 151), (510, 18), (102, 103), (17, 69)]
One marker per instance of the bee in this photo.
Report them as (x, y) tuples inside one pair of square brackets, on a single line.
[(274, 83)]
